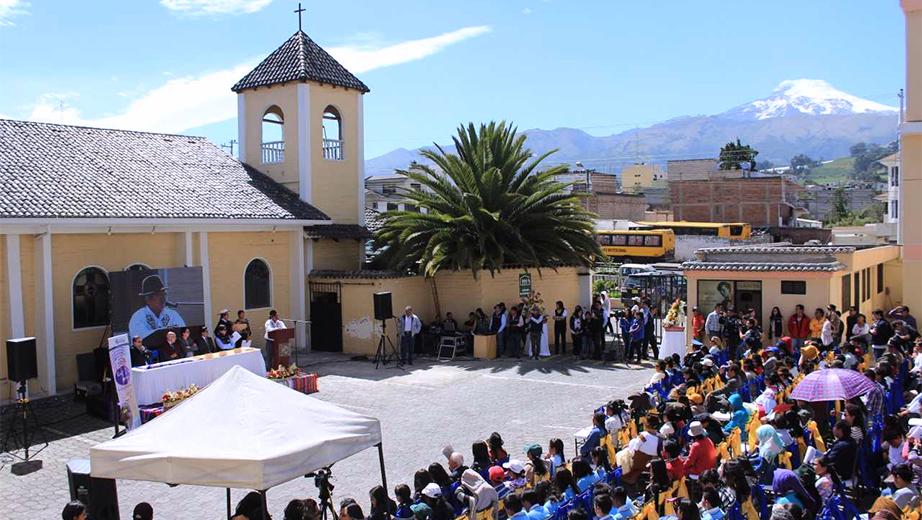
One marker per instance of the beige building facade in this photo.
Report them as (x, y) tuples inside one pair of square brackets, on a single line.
[(910, 188)]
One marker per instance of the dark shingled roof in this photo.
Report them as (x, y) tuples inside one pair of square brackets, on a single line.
[(338, 231), (62, 171), (373, 220), (299, 59), (355, 273), (697, 265)]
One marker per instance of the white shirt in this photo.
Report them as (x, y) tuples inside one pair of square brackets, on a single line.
[(144, 321), (826, 334), (274, 325), (606, 305), (895, 455)]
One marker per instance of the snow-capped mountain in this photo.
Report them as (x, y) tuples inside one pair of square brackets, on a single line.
[(803, 116), (806, 96)]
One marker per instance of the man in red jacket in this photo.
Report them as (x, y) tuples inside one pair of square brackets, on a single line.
[(799, 328), (702, 455)]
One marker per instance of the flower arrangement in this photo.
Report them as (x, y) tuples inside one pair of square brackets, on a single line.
[(170, 399), (283, 372), (674, 317), (533, 298)]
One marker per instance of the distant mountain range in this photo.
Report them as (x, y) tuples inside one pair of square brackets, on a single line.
[(804, 116)]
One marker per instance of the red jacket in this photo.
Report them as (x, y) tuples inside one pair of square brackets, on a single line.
[(799, 330), (702, 456)]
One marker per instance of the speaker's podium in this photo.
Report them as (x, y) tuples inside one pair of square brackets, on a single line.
[(283, 342)]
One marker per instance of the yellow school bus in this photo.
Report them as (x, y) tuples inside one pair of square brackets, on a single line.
[(640, 246), (731, 230)]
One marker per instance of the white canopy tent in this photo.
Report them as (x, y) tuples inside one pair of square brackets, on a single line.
[(242, 431)]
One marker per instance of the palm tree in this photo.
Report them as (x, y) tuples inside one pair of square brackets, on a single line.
[(487, 207)]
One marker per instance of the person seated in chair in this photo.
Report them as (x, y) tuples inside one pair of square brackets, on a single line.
[(842, 452), (621, 507), (644, 448), (702, 456), (450, 325), (204, 344), (711, 505), (171, 349), (602, 506), (535, 509), (140, 356)]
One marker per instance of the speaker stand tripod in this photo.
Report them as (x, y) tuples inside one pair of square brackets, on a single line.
[(23, 409), (382, 356)]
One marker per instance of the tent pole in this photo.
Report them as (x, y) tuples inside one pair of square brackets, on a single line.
[(265, 512), (228, 504), (381, 464)]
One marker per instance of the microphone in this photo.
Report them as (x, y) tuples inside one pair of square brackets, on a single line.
[(174, 305)]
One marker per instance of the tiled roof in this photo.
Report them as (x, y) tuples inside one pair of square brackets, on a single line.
[(299, 59), (338, 231), (373, 220), (781, 249), (697, 265), (61, 171), (351, 274)]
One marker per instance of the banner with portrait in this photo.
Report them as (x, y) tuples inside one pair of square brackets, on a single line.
[(713, 292), (120, 358), (150, 302)]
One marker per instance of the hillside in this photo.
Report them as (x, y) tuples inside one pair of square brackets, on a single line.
[(800, 117), (838, 170)]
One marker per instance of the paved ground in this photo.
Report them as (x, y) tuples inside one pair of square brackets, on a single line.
[(420, 409)]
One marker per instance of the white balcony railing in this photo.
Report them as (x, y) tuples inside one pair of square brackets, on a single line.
[(333, 149), (273, 152)]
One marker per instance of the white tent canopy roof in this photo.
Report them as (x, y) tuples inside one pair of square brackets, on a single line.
[(242, 431)]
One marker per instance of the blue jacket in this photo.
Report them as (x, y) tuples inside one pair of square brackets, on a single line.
[(591, 441)]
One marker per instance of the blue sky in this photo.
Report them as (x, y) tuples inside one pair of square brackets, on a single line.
[(602, 66)]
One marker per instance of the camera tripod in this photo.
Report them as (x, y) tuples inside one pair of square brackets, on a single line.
[(322, 481), (23, 409), (382, 356)]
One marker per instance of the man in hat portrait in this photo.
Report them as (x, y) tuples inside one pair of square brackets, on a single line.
[(155, 314)]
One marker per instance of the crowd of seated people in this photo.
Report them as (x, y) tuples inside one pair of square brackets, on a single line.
[(715, 435)]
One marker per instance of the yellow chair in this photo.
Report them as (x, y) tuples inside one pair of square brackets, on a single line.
[(749, 511), (723, 451), (817, 438), (632, 429), (784, 459), (735, 441), (486, 514), (751, 428), (606, 443), (624, 437)]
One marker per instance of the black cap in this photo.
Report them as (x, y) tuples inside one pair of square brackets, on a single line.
[(151, 285)]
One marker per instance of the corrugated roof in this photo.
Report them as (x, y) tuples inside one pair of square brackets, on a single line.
[(356, 273), (784, 249), (299, 59), (62, 171)]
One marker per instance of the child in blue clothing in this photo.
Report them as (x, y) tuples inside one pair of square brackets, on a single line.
[(636, 331)]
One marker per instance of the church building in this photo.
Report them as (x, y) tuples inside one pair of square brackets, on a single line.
[(80, 203)]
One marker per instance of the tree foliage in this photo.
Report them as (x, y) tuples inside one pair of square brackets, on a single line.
[(840, 215), (866, 165), (485, 207), (803, 163), (733, 155)]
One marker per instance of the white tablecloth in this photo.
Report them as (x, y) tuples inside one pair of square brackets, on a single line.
[(673, 343), (150, 383)]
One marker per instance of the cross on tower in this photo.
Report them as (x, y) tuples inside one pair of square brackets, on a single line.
[(299, 10)]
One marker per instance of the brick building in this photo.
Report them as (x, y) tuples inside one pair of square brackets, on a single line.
[(760, 201), (605, 196)]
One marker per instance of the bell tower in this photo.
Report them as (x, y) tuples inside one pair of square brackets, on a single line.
[(300, 120)]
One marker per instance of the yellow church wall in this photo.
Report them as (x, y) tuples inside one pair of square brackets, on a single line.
[(27, 278), (329, 254), (5, 332), (334, 184), (228, 255), (257, 102), (71, 253)]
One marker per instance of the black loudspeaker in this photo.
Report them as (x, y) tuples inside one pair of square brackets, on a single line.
[(21, 363), (383, 308), (100, 495)]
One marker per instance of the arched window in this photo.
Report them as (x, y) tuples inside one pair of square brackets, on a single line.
[(273, 130), (257, 285), (332, 134), (138, 266), (91, 298)]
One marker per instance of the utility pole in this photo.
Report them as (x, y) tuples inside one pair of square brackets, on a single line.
[(901, 95)]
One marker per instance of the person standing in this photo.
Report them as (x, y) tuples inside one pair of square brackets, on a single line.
[(816, 325), (596, 329), (498, 327), (577, 331), (798, 328), (732, 332), (775, 324), (850, 319), (881, 332), (606, 316), (242, 320), (536, 331), (223, 320), (714, 324), (516, 332), (560, 328), (409, 327), (698, 324), (637, 330), (649, 332), (273, 323)]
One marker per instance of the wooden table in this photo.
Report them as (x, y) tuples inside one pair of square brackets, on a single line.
[(485, 346)]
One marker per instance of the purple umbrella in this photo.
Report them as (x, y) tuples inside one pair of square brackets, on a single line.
[(833, 384)]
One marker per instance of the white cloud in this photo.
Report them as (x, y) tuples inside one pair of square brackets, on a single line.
[(526, 11), (363, 58), (10, 9), (194, 101), (214, 7)]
